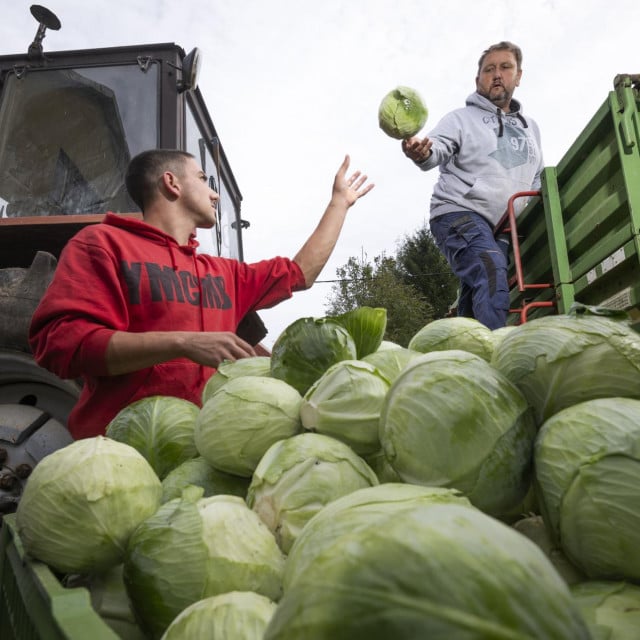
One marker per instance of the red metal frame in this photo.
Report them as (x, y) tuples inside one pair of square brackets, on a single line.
[(508, 224)]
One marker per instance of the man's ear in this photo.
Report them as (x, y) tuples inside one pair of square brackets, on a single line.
[(170, 183)]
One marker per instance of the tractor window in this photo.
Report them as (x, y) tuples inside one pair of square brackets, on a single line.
[(223, 238), (66, 137)]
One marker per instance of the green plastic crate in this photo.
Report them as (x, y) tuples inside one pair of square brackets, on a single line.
[(33, 603)]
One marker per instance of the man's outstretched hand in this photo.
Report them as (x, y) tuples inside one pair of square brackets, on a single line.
[(417, 149), (351, 188)]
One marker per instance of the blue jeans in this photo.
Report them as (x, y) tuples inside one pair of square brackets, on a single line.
[(466, 240)]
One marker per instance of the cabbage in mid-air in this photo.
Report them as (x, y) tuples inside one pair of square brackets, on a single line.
[(402, 113)]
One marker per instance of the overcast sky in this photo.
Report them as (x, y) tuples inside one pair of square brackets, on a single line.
[(294, 85)]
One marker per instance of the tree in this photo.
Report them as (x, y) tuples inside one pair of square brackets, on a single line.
[(380, 284), (415, 287), (427, 270)]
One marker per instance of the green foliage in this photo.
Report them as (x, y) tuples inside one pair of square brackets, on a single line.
[(426, 269), (415, 287), (380, 284)]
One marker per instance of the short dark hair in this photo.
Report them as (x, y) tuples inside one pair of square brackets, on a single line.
[(505, 45), (145, 169)]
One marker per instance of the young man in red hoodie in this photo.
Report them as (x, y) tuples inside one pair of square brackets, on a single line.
[(135, 311)]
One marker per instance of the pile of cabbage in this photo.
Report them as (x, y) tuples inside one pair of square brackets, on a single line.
[(471, 484)]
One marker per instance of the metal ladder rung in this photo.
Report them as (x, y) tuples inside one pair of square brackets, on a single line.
[(508, 224)]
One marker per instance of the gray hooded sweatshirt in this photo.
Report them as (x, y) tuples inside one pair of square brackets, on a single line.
[(485, 156)]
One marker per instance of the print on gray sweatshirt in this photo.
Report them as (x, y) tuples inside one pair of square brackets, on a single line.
[(485, 156)]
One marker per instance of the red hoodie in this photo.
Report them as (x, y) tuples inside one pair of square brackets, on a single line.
[(125, 275)]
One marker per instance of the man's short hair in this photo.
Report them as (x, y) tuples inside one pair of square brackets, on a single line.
[(505, 45), (145, 169)]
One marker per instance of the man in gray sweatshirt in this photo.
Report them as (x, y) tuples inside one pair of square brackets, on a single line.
[(486, 152)]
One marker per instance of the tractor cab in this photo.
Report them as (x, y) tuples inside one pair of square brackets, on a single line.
[(70, 121)]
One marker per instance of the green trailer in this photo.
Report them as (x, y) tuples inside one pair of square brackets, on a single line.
[(578, 238)]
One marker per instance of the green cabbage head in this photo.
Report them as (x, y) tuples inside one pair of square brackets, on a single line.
[(402, 113), (193, 548), (238, 614), (431, 570), (298, 476), (611, 609), (451, 420), (559, 361), (82, 503), (366, 326), (243, 419), (587, 460), (462, 333), (199, 472), (358, 510), (160, 428), (255, 366), (307, 348), (391, 361), (345, 404)]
